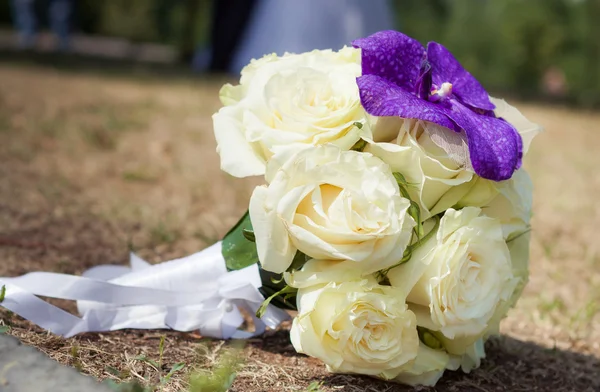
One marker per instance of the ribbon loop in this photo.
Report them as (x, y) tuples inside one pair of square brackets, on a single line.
[(191, 293)]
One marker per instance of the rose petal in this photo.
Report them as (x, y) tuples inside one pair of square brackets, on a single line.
[(275, 252), (238, 158), (446, 68), (527, 129), (495, 147), (393, 56), (381, 97)]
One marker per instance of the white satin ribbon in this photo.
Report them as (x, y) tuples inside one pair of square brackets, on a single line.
[(192, 293)]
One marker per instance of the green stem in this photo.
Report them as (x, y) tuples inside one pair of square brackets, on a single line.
[(263, 308), (511, 239), (411, 248)]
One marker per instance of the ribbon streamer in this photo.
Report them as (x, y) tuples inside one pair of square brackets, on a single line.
[(191, 293)]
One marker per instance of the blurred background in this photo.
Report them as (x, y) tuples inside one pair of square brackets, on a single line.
[(541, 49)]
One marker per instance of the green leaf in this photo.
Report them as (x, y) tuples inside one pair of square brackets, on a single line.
[(177, 367), (279, 301), (298, 262), (239, 253), (236, 249), (263, 308), (2, 293), (4, 329)]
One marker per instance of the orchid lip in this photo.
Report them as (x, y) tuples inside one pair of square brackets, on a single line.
[(441, 93)]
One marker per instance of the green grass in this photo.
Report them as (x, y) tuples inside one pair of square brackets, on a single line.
[(163, 234), (217, 377)]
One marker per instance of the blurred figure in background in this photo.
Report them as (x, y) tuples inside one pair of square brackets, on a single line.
[(59, 12), (252, 29), (229, 23), (26, 23), (554, 83), (23, 13)]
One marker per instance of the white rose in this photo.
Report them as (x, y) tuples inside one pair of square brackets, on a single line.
[(436, 160), (518, 247), (509, 201), (526, 128), (356, 327), (512, 206), (458, 278), (466, 353), (331, 205), (287, 102), (426, 369), (408, 146), (519, 255)]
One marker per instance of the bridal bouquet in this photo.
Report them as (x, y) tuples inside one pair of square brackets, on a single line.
[(395, 214)]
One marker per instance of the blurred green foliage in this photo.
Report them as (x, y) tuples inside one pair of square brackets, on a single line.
[(524, 48), (517, 47), (163, 21)]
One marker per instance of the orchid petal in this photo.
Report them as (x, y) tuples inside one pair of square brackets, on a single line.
[(495, 146), (446, 68), (381, 97), (393, 56)]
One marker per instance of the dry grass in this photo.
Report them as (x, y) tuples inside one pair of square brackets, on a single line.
[(91, 164)]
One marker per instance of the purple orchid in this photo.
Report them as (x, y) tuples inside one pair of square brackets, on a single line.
[(400, 78)]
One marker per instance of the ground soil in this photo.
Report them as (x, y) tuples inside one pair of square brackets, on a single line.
[(91, 164)]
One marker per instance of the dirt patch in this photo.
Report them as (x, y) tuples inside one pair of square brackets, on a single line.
[(93, 165)]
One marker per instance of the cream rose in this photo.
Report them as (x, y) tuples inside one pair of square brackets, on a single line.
[(527, 129), (435, 160), (409, 149), (426, 369), (466, 353), (288, 102), (512, 206), (509, 201), (331, 205), (458, 278), (356, 327), (518, 247)]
